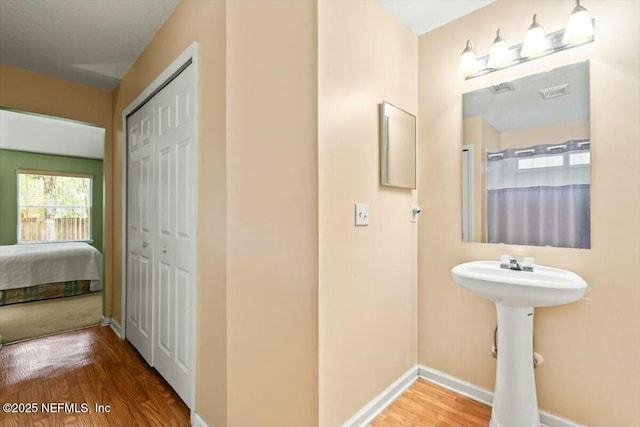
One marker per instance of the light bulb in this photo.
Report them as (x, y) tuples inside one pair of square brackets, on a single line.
[(579, 27), (499, 56), (535, 41), (468, 61)]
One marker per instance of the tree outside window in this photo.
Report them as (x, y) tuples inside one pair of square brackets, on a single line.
[(53, 207)]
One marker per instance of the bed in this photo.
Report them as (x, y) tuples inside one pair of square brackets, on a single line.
[(35, 272)]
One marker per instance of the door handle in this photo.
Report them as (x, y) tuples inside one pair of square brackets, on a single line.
[(145, 244)]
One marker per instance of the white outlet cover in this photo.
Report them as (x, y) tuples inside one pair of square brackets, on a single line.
[(362, 214)]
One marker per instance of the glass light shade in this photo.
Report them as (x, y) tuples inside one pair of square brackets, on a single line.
[(499, 55), (468, 61), (579, 28), (535, 41)]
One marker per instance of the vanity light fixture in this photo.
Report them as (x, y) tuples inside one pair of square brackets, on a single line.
[(468, 61), (499, 56), (535, 41), (579, 31), (579, 27)]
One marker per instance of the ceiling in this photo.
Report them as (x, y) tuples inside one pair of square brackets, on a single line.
[(524, 107), (425, 15), (94, 42)]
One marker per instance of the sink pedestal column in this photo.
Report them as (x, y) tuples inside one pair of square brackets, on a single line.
[(514, 401)]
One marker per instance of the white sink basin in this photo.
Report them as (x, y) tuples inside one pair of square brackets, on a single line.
[(515, 294), (542, 287)]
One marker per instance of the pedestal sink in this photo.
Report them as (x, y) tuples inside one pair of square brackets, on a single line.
[(515, 294)]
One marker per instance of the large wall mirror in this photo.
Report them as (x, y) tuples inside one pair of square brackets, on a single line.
[(526, 157)]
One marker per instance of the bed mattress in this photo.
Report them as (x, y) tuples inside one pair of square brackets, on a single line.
[(23, 266)]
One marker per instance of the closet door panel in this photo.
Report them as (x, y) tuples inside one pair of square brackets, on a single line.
[(145, 297), (184, 206), (133, 292), (165, 295), (174, 238), (140, 223), (165, 192), (183, 311)]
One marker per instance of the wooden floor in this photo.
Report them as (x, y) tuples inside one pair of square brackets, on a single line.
[(69, 374), (426, 404), (89, 367)]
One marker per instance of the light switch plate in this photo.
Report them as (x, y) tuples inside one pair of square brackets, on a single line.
[(362, 214)]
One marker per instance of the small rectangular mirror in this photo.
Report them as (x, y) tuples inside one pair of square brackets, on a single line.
[(526, 160), (397, 147)]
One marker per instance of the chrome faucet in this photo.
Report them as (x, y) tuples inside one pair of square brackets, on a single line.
[(513, 264)]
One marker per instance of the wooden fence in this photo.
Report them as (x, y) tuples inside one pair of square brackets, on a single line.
[(35, 229)]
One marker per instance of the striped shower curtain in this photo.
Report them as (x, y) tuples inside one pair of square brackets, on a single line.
[(540, 195)]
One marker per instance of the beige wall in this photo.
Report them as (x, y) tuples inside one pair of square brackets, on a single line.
[(257, 204), (204, 22), (472, 135), (29, 91), (550, 134), (272, 205), (483, 137), (368, 275), (591, 348), (304, 318)]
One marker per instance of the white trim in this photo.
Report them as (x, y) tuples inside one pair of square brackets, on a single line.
[(483, 395), (190, 53), (467, 194), (196, 143), (187, 54), (452, 383), (551, 420), (372, 409), (105, 320), (197, 421), (116, 328)]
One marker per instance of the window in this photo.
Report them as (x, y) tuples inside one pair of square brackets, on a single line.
[(574, 159), (580, 159), (53, 207), (541, 162)]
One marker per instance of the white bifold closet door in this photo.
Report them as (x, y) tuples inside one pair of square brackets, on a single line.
[(161, 232)]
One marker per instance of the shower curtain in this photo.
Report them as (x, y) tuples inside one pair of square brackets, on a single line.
[(539, 195)]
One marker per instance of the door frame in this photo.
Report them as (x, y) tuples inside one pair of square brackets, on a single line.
[(188, 57), (467, 194)]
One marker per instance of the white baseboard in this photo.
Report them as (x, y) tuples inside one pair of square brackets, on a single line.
[(116, 328), (452, 383), (105, 320), (372, 409), (483, 395), (551, 420), (197, 421)]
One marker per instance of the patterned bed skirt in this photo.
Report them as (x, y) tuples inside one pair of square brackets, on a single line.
[(44, 291)]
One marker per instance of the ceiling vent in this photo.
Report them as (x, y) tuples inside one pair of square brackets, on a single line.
[(501, 88), (554, 92)]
